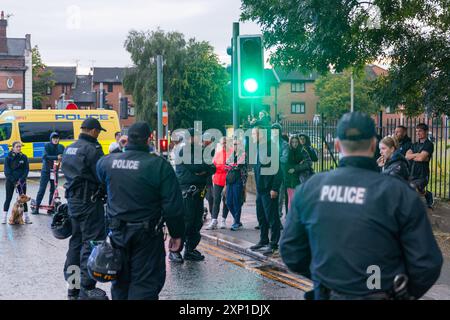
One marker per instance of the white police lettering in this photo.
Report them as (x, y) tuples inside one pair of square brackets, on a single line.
[(71, 151), (125, 164), (341, 194)]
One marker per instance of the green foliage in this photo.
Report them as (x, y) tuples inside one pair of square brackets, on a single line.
[(194, 82), (333, 91), (41, 78), (317, 34)]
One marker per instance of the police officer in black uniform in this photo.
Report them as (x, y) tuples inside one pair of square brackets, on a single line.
[(86, 207), (143, 192), (192, 179), (353, 230)]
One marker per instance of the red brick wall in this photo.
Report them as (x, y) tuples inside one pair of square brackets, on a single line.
[(12, 63), (57, 90), (17, 76)]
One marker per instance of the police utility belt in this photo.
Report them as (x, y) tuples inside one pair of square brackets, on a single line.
[(155, 226), (399, 291), (85, 193), (193, 191)]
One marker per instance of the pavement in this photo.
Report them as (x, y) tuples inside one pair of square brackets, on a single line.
[(240, 241)]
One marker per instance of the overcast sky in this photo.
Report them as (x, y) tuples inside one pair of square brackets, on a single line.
[(93, 32)]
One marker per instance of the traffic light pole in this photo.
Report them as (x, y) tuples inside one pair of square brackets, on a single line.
[(159, 68), (234, 82)]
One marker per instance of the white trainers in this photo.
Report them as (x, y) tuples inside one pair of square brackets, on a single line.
[(223, 224), (27, 218), (4, 217), (212, 225)]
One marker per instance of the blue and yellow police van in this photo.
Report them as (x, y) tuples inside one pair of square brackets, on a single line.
[(33, 129)]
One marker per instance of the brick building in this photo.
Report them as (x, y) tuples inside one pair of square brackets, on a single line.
[(291, 95), (112, 81), (65, 79), (16, 84), (84, 90)]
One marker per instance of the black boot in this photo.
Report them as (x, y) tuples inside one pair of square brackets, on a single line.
[(193, 255), (175, 257)]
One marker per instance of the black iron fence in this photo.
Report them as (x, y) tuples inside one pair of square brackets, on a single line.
[(322, 135)]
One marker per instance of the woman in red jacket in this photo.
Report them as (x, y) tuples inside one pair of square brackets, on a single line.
[(219, 181)]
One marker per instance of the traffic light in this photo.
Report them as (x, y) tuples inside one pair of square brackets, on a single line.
[(123, 108), (163, 145), (250, 66), (105, 101)]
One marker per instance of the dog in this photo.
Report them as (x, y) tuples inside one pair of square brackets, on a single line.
[(17, 211)]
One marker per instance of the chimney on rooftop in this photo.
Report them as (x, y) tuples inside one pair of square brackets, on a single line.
[(3, 41)]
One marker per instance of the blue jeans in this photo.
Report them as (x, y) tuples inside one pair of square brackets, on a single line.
[(45, 179), (234, 201)]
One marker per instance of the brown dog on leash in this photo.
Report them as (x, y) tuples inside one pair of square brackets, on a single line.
[(18, 209)]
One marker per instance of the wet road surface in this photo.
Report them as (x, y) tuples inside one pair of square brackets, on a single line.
[(31, 264)]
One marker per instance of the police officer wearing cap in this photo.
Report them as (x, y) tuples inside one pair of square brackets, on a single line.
[(192, 178), (86, 207), (354, 231), (143, 192)]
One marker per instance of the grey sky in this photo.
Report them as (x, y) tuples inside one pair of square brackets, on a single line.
[(93, 32)]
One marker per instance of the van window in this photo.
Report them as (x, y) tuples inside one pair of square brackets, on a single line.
[(5, 131), (40, 131)]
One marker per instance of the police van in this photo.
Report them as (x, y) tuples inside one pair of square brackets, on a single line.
[(33, 129)]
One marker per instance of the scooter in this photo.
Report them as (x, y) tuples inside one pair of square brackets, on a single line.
[(56, 201)]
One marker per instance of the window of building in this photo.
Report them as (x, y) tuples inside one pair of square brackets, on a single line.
[(64, 89), (40, 131), (49, 91), (297, 87), (298, 107), (110, 87), (5, 131)]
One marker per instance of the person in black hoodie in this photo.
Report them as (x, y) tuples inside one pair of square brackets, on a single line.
[(53, 151), (392, 161), (16, 173)]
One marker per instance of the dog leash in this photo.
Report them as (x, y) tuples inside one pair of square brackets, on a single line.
[(20, 188)]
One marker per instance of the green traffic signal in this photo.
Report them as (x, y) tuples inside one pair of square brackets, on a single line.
[(250, 66), (250, 85)]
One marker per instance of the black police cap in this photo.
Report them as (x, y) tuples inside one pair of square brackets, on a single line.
[(356, 126), (91, 123), (140, 130)]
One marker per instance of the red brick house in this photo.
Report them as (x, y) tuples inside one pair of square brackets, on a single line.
[(16, 84)]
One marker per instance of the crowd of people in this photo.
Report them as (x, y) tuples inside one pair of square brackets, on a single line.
[(143, 189)]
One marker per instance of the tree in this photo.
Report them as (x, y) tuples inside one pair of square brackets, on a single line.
[(317, 34), (194, 81), (42, 78), (333, 91)]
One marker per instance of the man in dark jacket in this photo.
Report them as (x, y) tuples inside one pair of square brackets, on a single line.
[(86, 207), (419, 156), (53, 151), (192, 178), (142, 190), (404, 141), (267, 191), (353, 230)]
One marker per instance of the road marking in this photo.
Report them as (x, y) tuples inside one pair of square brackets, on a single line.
[(274, 275)]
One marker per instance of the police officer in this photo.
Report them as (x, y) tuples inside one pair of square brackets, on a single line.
[(192, 179), (86, 207), (354, 230), (142, 190)]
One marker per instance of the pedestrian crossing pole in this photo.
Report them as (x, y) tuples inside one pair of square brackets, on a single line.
[(159, 70), (234, 82)]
